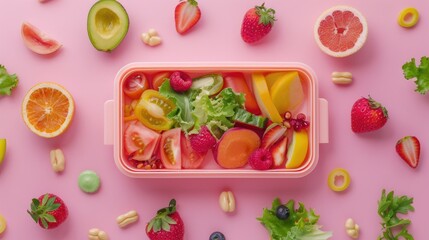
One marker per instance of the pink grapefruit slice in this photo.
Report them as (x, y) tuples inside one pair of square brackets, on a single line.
[(340, 31)]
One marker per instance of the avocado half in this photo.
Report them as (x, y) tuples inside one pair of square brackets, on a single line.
[(107, 24)]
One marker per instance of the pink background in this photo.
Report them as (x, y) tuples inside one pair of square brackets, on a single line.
[(88, 75)]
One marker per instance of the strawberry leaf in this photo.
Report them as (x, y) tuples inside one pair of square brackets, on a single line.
[(44, 223), (33, 216), (45, 199), (165, 226), (49, 218), (169, 220), (53, 207), (157, 225), (35, 202), (50, 201)]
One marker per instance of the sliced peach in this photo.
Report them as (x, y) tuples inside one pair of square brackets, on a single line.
[(37, 41), (235, 146)]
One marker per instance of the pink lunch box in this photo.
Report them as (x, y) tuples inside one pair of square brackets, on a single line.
[(314, 107)]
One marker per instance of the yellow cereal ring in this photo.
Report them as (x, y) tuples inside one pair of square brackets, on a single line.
[(338, 172), (408, 17)]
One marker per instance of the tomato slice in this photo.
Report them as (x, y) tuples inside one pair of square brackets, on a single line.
[(171, 155), (135, 84), (140, 141), (190, 158), (158, 79), (152, 110), (237, 82)]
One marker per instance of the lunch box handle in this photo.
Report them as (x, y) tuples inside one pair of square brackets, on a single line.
[(323, 121), (108, 122)]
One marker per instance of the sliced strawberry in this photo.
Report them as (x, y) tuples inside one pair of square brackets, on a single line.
[(279, 150), (408, 149), (273, 133), (187, 14)]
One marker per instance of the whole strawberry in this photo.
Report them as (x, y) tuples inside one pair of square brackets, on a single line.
[(257, 23), (166, 225), (368, 115), (48, 210)]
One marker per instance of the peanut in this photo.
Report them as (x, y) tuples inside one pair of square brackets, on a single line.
[(227, 201), (342, 77), (151, 38), (97, 234), (352, 228), (57, 160), (127, 218)]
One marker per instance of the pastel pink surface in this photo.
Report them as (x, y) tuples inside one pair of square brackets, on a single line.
[(88, 74)]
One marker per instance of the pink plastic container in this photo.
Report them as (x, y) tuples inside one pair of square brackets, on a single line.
[(314, 107)]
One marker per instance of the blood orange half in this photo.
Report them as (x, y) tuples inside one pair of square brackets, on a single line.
[(340, 31)]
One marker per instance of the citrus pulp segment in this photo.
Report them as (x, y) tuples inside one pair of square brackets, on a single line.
[(340, 31), (47, 109)]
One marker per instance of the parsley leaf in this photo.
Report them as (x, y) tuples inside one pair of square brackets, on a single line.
[(421, 73), (7, 81), (388, 207)]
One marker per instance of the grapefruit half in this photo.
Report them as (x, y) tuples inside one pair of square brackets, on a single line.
[(340, 31)]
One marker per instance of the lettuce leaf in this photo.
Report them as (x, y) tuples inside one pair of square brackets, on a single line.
[(182, 114), (301, 224), (421, 73), (216, 112), (7, 81)]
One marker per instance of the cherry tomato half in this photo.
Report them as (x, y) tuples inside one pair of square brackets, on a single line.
[(140, 142), (171, 155), (190, 158), (152, 110), (158, 79), (135, 84)]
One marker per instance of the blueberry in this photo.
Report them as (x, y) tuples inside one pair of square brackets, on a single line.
[(282, 212), (217, 236)]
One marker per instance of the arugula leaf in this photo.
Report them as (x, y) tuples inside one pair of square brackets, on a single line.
[(389, 206), (182, 114), (301, 224), (421, 73), (7, 81)]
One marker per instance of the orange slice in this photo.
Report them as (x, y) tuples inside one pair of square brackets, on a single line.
[(47, 109)]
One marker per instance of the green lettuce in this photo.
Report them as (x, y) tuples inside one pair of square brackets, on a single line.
[(7, 81), (216, 113), (182, 114), (421, 73), (301, 224)]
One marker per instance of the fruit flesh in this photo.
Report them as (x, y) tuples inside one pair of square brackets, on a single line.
[(263, 98), (341, 31), (107, 24), (2, 149), (297, 149), (37, 41), (287, 92), (235, 147)]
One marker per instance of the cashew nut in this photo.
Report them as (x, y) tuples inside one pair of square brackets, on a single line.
[(151, 38), (57, 160), (127, 218), (342, 77), (227, 201), (352, 228), (97, 234)]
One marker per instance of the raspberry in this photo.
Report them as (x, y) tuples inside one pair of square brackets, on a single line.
[(261, 159), (180, 81), (203, 141)]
